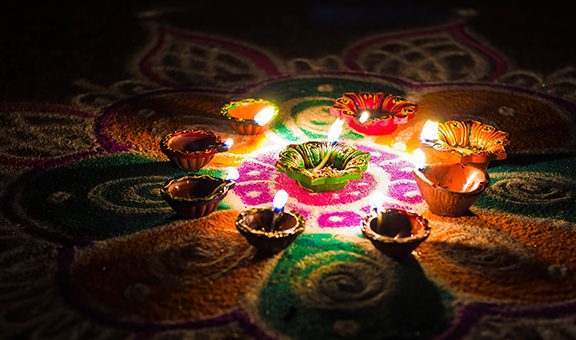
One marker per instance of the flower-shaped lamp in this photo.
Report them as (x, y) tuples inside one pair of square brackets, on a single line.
[(192, 149), (344, 163), (467, 142), (395, 232), (196, 195), (373, 113), (249, 116)]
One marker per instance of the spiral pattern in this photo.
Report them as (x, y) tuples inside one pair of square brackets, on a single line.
[(341, 280), (130, 195), (536, 188), (211, 255)]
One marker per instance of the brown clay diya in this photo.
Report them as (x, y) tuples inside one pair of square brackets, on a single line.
[(268, 231), (249, 116), (195, 196), (373, 113), (395, 232), (467, 142), (192, 149), (450, 189)]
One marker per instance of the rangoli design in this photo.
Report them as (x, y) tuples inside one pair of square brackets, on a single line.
[(89, 249)]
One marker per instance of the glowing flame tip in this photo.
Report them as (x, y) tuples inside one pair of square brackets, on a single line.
[(377, 199), (228, 143), (265, 115), (429, 131), (364, 117), (280, 200), (419, 158), (335, 130), (233, 174)]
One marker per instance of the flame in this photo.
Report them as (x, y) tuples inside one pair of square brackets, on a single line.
[(376, 200), (233, 174), (418, 158), (280, 200), (364, 117), (228, 143), (429, 131), (335, 130), (264, 116)]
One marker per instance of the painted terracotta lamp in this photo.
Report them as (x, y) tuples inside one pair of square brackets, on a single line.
[(394, 232), (192, 149), (449, 189), (373, 113), (321, 166), (249, 116), (467, 142), (196, 196), (271, 230)]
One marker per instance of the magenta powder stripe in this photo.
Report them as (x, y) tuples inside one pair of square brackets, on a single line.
[(259, 58), (100, 128), (470, 315), (501, 64)]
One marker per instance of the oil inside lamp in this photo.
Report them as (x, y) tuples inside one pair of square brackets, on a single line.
[(449, 189)]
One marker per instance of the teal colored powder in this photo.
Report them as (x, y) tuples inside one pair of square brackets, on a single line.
[(313, 288), (128, 202), (540, 189)]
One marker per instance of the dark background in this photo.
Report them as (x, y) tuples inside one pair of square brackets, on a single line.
[(46, 45)]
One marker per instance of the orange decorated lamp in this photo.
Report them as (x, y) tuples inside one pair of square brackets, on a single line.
[(271, 230), (467, 142), (249, 116), (449, 189), (394, 232), (196, 196), (373, 113), (323, 166), (192, 149)]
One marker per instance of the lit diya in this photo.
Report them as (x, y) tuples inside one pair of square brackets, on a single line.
[(449, 189), (467, 142), (249, 116), (271, 230), (323, 166), (394, 232), (197, 195), (373, 113), (192, 149)]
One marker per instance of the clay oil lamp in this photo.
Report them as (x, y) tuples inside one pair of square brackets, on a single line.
[(321, 166), (373, 113), (271, 230), (449, 189), (249, 116), (467, 142), (394, 232), (196, 196), (192, 149)]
